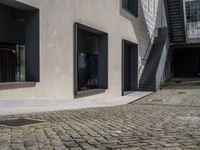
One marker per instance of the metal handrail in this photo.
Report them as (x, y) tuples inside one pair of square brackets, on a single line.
[(147, 49)]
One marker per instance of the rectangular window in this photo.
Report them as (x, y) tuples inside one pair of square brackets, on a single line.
[(192, 20), (19, 43), (192, 11), (131, 6), (91, 48)]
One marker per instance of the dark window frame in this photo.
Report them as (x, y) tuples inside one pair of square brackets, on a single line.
[(95, 31), (131, 6)]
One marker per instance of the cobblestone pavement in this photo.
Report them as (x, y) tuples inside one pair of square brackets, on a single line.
[(130, 127)]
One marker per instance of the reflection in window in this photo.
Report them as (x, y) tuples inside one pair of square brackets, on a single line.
[(12, 63), (88, 61), (91, 55)]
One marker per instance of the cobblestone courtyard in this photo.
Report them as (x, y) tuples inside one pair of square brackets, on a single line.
[(146, 124)]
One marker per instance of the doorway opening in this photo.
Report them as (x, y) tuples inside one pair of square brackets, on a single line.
[(129, 67)]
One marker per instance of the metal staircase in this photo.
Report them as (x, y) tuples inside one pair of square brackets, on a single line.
[(148, 79), (175, 19)]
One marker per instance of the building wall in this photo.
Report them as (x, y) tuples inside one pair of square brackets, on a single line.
[(154, 14), (57, 18)]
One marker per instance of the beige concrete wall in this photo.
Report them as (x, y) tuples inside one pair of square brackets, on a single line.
[(56, 45)]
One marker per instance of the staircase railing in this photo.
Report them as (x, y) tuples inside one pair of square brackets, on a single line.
[(145, 58)]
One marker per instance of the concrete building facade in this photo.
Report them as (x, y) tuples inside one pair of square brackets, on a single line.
[(54, 38), (54, 62)]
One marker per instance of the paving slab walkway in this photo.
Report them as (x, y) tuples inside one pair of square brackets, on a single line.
[(9, 107)]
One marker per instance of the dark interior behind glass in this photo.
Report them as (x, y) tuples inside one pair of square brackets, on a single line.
[(88, 52), (91, 61)]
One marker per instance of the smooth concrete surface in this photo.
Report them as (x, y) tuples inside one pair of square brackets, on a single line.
[(11, 107)]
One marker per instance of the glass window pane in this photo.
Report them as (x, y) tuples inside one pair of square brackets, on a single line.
[(87, 60)]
